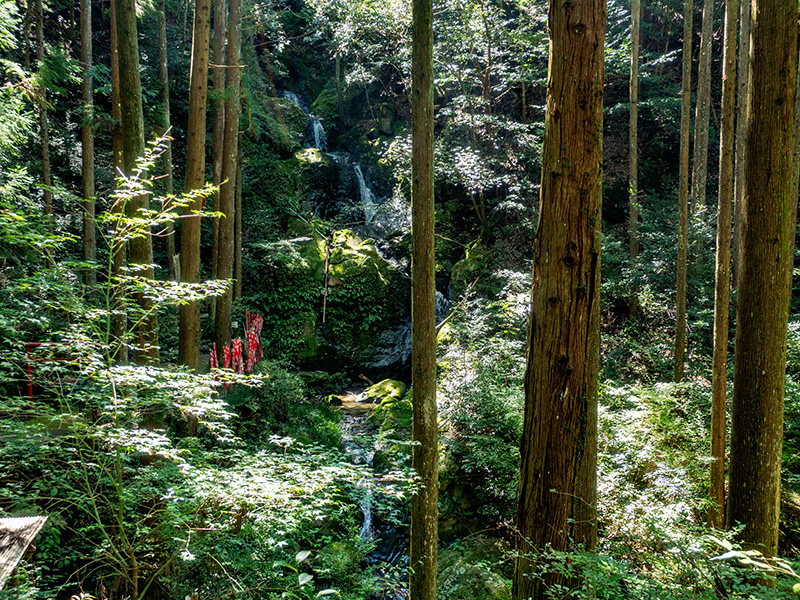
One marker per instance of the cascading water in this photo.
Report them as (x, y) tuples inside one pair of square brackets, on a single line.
[(319, 138), (366, 196)]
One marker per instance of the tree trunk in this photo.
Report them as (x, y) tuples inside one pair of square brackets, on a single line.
[(141, 249), (719, 377), (218, 129), (189, 314), (119, 321), (237, 226), (163, 80), (702, 110), (557, 484), (425, 428), (765, 286), (44, 138), (222, 322), (87, 143), (683, 202), (633, 152), (742, 99)]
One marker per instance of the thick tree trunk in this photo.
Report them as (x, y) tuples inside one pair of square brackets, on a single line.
[(742, 99), (222, 322), (141, 249), (44, 137), (683, 201), (557, 484), (87, 143), (119, 321), (218, 129), (189, 342), (766, 268), (425, 428), (163, 80), (702, 110), (719, 377), (633, 152), (237, 226)]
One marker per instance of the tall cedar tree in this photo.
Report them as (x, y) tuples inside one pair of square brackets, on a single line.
[(163, 82), (683, 200), (702, 110), (222, 322), (719, 377), (87, 143), (218, 125), (767, 249), (189, 316), (44, 136), (633, 150), (119, 323), (743, 85), (425, 452), (558, 473), (141, 249)]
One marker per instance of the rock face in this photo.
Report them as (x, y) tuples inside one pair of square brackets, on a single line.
[(476, 568), (365, 301)]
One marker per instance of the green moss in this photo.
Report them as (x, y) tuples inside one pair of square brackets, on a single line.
[(477, 567), (384, 390)]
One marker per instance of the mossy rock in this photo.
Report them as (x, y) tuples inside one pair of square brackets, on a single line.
[(280, 121), (388, 388), (351, 256), (393, 414), (477, 567)]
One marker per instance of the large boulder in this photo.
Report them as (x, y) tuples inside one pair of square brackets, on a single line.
[(475, 568)]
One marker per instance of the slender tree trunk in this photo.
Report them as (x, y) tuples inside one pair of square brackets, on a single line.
[(633, 152), (237, 226), (719, 378), (141, 249), (189, 315), (558, 472), (702, 110), (163, 80), (87, 143), (222, 323), (26, 33), (742, 98), (683, 202), (119, 321), (425, 428), (44, 138), (768, 234), (218, 129)]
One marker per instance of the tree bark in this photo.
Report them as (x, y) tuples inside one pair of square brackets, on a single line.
[(141, 249), (683, 201), (222, 322), (44, 138), (719, 377), (237, 226), (557, 485), (767, 250), (425, 428), (702, 110), (119, 320), (218, 129), (163, 80), (189, 314), (633, 152), (87, 144), (742, 99)]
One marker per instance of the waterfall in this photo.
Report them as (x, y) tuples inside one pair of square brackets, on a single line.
[(367, 197), (292, 97), (366, 507), (318, 132)]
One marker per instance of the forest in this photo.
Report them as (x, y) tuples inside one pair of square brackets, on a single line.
[(391, 299)]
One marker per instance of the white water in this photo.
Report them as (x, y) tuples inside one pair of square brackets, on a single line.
[(318, 132), (366, 195)]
